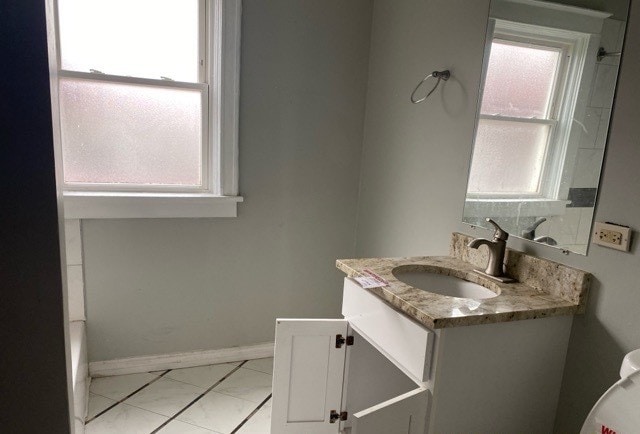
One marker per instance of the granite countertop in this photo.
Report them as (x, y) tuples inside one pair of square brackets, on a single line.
[(544, 288)]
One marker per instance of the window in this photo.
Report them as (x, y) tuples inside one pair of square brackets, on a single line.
[(531, 85), (147, 99)]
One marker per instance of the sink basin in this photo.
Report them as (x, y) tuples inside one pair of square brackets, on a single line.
[(430, 281)]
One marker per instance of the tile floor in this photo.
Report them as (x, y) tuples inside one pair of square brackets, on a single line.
[(227, 398)]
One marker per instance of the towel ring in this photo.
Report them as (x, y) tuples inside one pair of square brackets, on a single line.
[(440, 75)]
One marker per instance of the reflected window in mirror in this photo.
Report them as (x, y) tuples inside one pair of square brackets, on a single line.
[(527, 102), (543, 117)]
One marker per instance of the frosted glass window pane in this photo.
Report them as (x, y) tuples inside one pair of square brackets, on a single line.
[(138, 38), (520, 80), (119, 133), (508, 157)]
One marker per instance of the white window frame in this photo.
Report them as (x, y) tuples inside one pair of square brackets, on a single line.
[(219, 74), (573, 46)]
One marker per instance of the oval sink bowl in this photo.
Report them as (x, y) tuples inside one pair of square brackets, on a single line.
[(441, 284)]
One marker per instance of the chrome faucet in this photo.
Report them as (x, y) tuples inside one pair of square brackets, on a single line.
[(497, 248)]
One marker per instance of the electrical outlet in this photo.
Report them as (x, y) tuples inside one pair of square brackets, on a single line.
[(612, 235), (609, 236)]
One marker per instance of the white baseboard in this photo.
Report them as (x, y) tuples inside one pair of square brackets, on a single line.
[(134, 365)]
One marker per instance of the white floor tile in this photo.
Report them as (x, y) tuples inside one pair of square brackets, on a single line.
[(260, 423), (119, 386), (261, 365), (246, 384), (201, 376), (221, 413), (97, 404), (177, 427), (165, 396), (125, 419)]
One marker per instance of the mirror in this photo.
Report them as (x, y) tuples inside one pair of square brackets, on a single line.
[(549, 76)]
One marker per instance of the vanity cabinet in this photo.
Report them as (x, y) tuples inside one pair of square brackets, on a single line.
[(323, 385), (377, 371)]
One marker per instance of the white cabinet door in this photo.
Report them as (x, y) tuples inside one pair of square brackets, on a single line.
[(308, 376), (406, 414)]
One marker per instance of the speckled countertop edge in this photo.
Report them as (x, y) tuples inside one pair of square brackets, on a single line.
[(516, 301)]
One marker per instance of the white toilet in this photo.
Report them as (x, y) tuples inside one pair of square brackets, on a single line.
[(618, 410)]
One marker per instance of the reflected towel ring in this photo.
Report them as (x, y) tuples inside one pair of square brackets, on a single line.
[(440, 75), (602, 53)]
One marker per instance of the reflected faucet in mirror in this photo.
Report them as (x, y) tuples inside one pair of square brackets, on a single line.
[(530, 233), (497, 248), (543, 116)]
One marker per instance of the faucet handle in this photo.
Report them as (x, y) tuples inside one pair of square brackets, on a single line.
[(499, 234)]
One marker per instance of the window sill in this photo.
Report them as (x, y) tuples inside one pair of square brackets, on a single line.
[(104, 205), (514, 207)]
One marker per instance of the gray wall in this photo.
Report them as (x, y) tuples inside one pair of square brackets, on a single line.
[(610, 328), (161, 286), (415, 167), (416, 157), (33, 372)]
